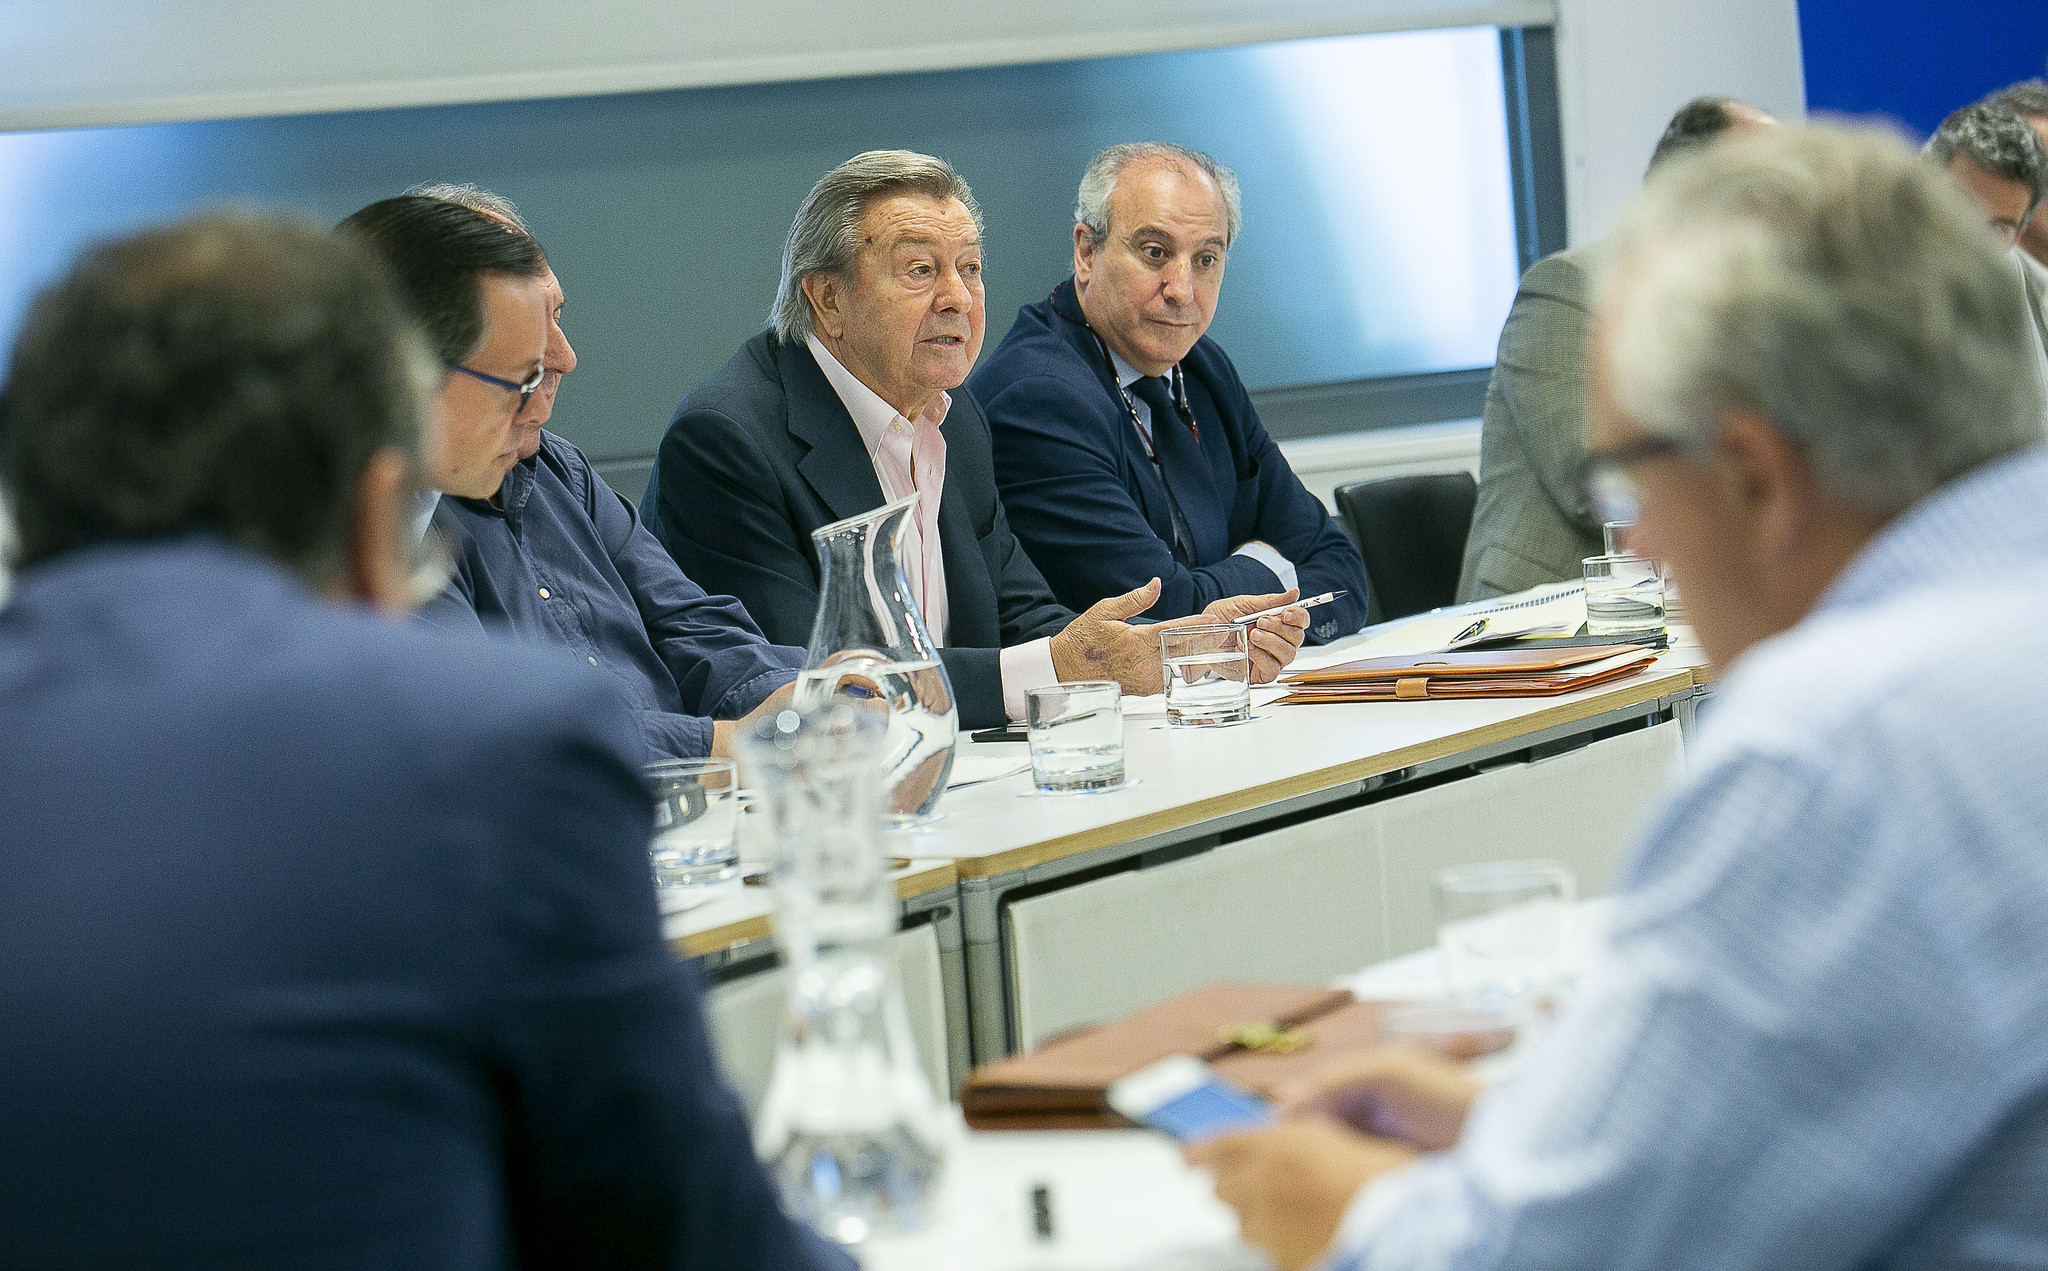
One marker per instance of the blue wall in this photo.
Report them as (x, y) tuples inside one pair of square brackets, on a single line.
[(1915, 60)]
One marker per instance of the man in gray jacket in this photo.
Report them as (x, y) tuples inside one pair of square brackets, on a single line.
[(1531, 524)]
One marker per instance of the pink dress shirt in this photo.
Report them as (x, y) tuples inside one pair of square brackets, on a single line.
[(911, 455)]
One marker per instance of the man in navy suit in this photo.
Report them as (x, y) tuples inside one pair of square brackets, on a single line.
[(1126, 446), (330, 940), (853, 398)]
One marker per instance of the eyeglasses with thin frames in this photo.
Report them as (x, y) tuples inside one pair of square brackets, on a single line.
[(1609, 491), (525, 390)]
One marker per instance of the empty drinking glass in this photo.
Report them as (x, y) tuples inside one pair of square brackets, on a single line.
[(1077, 736), (1624, 596), (1208, 674), (696, 821), (1504, 931)]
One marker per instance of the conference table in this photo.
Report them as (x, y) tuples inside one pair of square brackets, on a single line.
[(1122, 1200), (1293, 848)]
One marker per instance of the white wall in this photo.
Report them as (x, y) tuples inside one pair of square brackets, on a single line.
[(1625, 66), (86, 62)]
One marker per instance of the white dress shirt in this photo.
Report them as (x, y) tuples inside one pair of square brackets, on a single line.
[(1141, 410), (911, 456)]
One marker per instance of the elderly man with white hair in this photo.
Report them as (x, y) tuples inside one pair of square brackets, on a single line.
[(1819, 1038), (854, 397)]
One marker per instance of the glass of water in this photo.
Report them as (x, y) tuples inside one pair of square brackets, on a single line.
[(1208, 674), (1505, 934), (696, 821), (1624, 596), (1077, 736)]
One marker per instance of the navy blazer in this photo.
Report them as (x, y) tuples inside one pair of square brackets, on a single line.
[(330, 942), (764, 452), (561, 559), (1089, 505)]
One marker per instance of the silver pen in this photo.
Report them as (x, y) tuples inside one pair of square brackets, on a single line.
[(1310, 603)]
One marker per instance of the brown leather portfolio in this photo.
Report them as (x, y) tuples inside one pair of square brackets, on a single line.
[(1260, 1036), (1492, 673)]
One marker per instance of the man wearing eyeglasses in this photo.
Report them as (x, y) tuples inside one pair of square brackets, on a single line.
[(1818, 1037), (543, 549), (2003, 162)]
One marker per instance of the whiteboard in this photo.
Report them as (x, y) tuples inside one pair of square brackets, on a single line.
[(82, 63)]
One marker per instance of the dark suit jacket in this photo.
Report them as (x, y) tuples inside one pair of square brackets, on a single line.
[(1091, 508), (331, 942), (1531, 524), (764, 452)]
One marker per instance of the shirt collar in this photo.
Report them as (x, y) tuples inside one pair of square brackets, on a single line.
[(871, 415), (1975, 526), (512, 492), (1126, 374)]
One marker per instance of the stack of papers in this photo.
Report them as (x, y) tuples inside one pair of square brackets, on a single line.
[(1494, 673), (1556, 609)]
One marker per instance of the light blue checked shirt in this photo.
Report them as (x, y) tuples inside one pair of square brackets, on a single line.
[(1821, 1037)]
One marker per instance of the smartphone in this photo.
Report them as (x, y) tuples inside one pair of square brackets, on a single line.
[(1184, 1098)]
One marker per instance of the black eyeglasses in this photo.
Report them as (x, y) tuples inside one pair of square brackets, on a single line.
[(525, 391), (1610, 493)]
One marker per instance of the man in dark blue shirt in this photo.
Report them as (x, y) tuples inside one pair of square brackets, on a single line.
[(551, 553)]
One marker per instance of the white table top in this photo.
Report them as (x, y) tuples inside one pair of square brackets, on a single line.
[(1122, 1199), (1185, 776)]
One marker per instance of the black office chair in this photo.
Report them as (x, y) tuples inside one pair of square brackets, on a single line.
[(1411, 531)]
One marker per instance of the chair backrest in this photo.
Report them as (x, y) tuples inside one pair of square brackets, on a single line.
[(1411, 531)]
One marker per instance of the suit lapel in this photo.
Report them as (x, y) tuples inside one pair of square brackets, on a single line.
[(971, 601), (836, 465), (1151, 491)]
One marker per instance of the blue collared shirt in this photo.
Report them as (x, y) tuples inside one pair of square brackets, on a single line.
[(1820, 1038), (564, 561)]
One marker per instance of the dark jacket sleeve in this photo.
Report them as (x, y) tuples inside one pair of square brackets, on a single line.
[(714, 502), (623, 1145), (1058, 462), (1284, 515), (721, 662)]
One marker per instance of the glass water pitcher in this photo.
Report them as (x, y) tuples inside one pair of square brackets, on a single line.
[(869, 647), (850, 1128)]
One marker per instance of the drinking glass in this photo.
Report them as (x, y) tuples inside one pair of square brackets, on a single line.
[(1624, 596), (1077, 736), (1503, 928), (1614, 535), (1208, 674), (696, 821)]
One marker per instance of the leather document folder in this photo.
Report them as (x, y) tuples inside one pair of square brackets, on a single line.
[(1259, 1036), (1492, 673)]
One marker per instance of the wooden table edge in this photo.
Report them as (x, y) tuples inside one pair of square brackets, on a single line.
[(1617, 697), (933, 876)]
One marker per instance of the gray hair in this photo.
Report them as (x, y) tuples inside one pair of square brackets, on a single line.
[(1997, 141), (1098, 182), (475, 198), (2028, 98), (1842, 289), (825, 237)]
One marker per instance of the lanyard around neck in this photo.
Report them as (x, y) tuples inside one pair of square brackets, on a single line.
[(1180, 399)]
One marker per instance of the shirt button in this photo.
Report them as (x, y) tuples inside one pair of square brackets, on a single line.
[(543, 593), (592, 661)]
